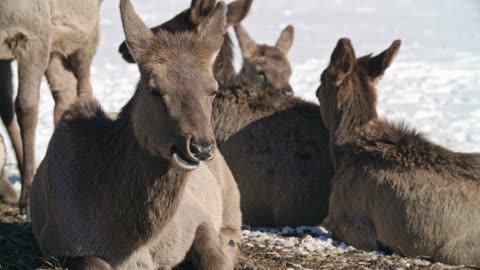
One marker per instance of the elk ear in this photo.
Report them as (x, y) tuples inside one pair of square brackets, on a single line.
[(200, 9), (247, 44), (285, 41), (342, 61), (237, 11), (137, 34), (378, 64), (214, 29)]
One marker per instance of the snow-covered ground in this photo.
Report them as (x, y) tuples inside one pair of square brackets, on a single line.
[(434, 84)]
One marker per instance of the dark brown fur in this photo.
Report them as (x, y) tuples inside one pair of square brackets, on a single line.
[(134, 191), (277, 149), (393, 189)]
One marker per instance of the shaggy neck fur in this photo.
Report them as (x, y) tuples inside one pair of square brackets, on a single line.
[(356, 103), (241, 104), (138, 191)]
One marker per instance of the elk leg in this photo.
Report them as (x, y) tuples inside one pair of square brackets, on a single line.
[(230, 240), (63, 84), (31, 67), (81, 62), (357, 231), (7, 110), (207, 251)]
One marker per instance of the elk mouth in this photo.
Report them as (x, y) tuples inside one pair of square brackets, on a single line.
[(181, 160)]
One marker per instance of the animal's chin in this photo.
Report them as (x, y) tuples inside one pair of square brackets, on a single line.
[(183, 162)]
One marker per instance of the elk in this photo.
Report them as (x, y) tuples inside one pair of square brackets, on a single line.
[(7, 192), (264, 66), (393, 189), (146, 189), (268, 139), (190, 19), (57, 39)]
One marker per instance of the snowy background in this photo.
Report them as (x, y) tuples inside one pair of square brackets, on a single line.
[(433, 85)]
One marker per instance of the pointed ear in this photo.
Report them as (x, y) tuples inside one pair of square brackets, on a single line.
[(342, 61), (285, 41), (378, 64), (200, 9), (237, 11), (213, 30), (247, 44), (137, 35)]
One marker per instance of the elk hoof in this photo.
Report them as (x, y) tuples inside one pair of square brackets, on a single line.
[(23, 213)]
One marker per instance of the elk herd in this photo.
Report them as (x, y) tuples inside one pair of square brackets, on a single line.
[(199, 149)]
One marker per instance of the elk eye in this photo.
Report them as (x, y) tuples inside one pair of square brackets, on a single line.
[(231, 243), (214, 93)]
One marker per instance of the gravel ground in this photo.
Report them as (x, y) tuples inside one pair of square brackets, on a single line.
[(313, 248), (262, 248)]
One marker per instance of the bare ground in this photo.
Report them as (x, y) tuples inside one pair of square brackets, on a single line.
[(18, 250)]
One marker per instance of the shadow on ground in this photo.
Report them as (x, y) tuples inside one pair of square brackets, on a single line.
[(18, 249)]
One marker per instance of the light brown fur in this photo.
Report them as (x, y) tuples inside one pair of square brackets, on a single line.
[(38, 34), (393, 189), (266, 66), (7, 192), (135, 191)]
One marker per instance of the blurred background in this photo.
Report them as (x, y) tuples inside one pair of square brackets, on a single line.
[(434, 85)]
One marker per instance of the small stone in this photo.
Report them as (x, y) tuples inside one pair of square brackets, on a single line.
[(310, 247), (308, 238), (289, 243), (295, 266)]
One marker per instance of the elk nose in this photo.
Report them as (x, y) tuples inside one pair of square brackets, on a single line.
[(202, 153)]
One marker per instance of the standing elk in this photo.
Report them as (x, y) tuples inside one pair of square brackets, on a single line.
[(393, 189), (275, 145), (56, 38), (146, 189)]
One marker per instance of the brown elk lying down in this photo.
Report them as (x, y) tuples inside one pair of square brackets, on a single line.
[(136, 191), (276, 146), (266, 66), (277, 149), (7, 192), (393, 189), (55, 38)]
